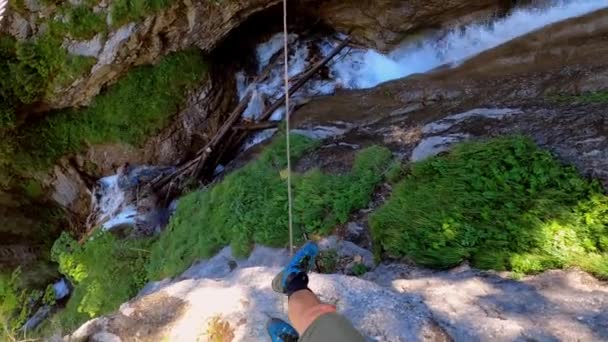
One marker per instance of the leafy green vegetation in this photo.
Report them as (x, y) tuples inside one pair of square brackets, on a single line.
[(124, 11), (79, 22), (106, 271), (14, 309), (138, 105), (502, 204), (249, 207), (30, 69), (359, 270), (328, 261)]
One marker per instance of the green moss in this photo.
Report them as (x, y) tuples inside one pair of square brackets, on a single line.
[(31, 70), (502, 204), (13, 308), (33, 189), (125, 11), (250, 205), (106, 272), (79, 22), (138, 105)]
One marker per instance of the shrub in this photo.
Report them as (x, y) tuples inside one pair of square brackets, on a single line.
[(105, 271), (250, 206), (14, 308), (502, 204)]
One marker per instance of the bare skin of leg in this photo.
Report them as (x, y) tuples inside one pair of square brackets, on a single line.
[(304, 308)]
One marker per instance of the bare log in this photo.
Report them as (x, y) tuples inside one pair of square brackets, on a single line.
[(196, 166), (303, 79), (256, 126)]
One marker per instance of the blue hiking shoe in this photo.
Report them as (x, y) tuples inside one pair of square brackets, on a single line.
[(294, 277), (281, 331)]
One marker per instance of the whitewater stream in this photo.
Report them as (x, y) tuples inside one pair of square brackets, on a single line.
[(353, 68)]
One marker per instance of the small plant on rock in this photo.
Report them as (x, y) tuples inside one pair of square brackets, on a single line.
[(328, 261)]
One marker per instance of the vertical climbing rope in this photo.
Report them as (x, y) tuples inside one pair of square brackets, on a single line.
[(287, 138)]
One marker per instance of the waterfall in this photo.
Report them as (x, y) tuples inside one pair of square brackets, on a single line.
[(360, 68), (116, 200)]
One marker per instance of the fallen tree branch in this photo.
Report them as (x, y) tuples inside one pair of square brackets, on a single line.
[(256, 126), (195, 167), (302, 80)]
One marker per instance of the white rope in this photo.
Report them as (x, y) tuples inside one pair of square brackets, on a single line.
[(287, 114)]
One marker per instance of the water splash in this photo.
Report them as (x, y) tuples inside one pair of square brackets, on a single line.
[(117, 201), (110, 205), (365, 69)]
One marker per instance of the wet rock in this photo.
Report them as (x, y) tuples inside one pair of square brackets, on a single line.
[(433, 145), (69, 190), (385, 23), (89, 48), (120, 205)]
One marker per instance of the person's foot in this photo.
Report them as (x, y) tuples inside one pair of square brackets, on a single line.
[(294, 277), (281, 331)]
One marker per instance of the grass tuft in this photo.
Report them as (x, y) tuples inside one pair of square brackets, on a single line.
[(502, 204), (106, 271), (249, 206), (79, 22), (125, 11)]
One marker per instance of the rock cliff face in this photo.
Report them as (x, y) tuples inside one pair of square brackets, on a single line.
[(204, 24), (185, 23)]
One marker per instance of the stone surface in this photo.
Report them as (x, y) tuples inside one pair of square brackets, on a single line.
[(480, 306), (89, 48), (394, 302), (385, 23)]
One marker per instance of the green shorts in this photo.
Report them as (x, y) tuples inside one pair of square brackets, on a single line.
[(331, 327)]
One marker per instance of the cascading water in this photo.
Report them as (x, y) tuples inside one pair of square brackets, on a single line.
[(116, 202), (360, 69)]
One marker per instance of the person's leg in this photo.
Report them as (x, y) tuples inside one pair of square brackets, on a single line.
[(304, 308), (313, 320)]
